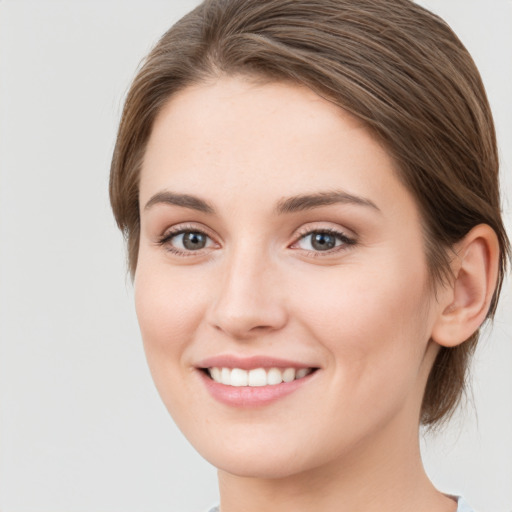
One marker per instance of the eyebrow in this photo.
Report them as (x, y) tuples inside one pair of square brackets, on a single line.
[(310, 201), (285, 205), (184, 200)]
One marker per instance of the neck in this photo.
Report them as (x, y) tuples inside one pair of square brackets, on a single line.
[(383, 474)]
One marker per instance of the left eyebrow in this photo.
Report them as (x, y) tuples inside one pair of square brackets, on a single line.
[(310, 201)]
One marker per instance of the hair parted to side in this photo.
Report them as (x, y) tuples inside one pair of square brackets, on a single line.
[(392, 64)]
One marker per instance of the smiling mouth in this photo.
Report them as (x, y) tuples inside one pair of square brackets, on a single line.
[(257, 377)]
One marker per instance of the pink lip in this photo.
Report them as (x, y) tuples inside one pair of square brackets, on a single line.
[(249, 363), (246, 396), (251, 396)]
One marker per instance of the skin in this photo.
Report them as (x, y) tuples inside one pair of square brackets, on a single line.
[(362, 313)]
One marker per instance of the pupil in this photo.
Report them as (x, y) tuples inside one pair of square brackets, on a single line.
[(194, 241), (323, 241)]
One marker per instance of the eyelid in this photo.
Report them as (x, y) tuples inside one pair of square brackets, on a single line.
[(348, 240), (185, 226), (165, 239)]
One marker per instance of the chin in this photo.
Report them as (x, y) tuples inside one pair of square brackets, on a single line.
[(264, 453), (257, 465), (252, 453)]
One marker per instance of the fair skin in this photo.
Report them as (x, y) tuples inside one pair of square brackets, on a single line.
[(238, 269)]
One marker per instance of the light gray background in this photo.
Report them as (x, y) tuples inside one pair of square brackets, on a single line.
[(81, 425)]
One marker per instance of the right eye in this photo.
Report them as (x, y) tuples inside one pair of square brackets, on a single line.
[(184, 241)]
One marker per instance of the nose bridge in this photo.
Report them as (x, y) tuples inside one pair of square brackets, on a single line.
[(248, 300)]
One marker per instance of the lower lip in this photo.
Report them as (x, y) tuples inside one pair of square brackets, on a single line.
[(246, 396)]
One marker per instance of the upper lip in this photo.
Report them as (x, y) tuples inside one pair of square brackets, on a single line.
[(250, 363)]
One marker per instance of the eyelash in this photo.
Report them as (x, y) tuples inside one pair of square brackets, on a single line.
[(165, 240), (345, 240)]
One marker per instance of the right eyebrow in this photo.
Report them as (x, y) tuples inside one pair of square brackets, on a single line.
[(184, 200)]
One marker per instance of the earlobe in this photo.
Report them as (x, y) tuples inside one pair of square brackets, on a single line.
[(464, 303)]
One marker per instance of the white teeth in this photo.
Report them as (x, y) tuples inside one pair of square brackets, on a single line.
[(289, 374), (257, 377), (216, 374), (225, 376), (274, 376), (238, 377), (302, 373)]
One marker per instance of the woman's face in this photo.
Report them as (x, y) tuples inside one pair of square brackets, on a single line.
[(281, 287)]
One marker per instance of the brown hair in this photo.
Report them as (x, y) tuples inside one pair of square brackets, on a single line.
[(392, 64)]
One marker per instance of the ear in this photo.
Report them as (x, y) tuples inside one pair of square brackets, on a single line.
[(464, 303)]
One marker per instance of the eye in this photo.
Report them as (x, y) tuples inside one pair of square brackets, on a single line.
[(190, 240), (186, 241), (323, 241)]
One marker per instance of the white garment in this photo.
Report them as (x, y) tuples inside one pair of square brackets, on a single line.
[(463, 506)]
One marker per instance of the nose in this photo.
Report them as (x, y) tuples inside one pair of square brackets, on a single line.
[(249, 301)]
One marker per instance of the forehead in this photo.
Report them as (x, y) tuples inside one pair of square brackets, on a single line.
[(236, 136)]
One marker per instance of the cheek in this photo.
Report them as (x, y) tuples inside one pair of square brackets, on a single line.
[(169, 308), (373, 323), (356, 300), (374, 329), (169, 311)]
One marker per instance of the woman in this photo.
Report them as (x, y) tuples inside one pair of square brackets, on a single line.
[(309, 191)]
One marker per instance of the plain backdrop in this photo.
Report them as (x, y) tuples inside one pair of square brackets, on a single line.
[(81, 425)]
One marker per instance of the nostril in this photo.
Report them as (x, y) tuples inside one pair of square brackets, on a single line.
[(247, 303)]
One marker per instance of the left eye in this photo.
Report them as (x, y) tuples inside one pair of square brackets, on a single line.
[(189, 241), (321, 241)]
